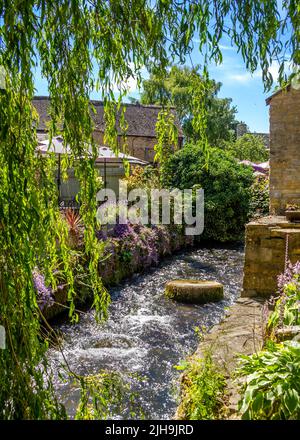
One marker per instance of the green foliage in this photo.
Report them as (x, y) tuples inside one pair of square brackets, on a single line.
[(248, 147), (81, 46), (226, 187), (203, 388), (187, 89), (143, 177), (259, 197), (272, 388), (271, 377), (104, 394), (126, 256), (286, 311), (167, 136)]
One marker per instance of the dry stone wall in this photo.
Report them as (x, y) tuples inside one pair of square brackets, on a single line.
[(265, 251)]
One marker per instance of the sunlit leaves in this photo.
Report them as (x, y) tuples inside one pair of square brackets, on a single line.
[(81, 45), (167, 136), (271, 389)]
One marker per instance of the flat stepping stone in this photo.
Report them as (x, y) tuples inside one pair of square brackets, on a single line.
[(194, 291)]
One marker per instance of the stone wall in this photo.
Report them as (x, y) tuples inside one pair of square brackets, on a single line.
[(141, 147), (284, 150), (265, 253)]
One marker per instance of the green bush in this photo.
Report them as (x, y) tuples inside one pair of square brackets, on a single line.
[(272, 388), (203, 389), (143, 177), (226, 187), (259, 202), (248, 147)]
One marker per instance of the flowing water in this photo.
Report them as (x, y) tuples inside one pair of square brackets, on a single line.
[(147, 333)]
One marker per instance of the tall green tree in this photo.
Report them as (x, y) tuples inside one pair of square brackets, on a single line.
[(177, 88), (81, 45), (248, 147)]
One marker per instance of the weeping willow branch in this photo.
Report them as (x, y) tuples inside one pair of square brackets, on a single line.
[(80, 46)]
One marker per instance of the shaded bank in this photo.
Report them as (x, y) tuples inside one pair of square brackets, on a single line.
[(240, 333)]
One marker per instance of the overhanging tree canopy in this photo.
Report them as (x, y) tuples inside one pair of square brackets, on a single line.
[(177, 88), (81, 45)]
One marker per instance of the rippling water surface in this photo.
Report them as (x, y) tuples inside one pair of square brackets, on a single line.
[(147, 333)]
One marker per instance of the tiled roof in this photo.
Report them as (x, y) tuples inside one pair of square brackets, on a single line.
[(141, 119)]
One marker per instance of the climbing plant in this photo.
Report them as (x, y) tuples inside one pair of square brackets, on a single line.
[(80, 46)]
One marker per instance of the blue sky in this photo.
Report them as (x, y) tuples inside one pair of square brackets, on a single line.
[(246, 90)]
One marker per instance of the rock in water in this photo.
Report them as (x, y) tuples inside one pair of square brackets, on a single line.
[(194, 291)]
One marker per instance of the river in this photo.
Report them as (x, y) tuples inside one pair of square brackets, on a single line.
[(147, 333)]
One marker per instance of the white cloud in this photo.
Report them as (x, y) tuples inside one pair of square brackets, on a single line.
[(274, 70), (244, 77), (225, 47), (131, 83), (247, 77), (221, 46), (235, 73)]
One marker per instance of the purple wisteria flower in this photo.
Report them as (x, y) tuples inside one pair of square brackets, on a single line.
[(122, 230), (101, 234), (44, 293)]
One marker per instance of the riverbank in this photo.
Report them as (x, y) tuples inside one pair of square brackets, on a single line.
[(127, 250), (241, 332)]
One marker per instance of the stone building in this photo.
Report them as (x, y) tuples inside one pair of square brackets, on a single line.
[(141, 120), (272, 239), (242, 128), (285, 149)]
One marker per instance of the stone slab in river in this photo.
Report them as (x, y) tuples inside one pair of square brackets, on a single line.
[(194, 291)]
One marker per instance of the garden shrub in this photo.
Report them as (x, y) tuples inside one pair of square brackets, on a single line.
[(286, 311), (259, 201), (143, 177), (203, 388), (226, 187), (44, 293), (272, 388), (134, 247)]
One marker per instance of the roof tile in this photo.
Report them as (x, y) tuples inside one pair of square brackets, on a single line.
[(141, 119)]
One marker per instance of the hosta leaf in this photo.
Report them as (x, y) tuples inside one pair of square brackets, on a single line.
[(257, 403), (291, 400)]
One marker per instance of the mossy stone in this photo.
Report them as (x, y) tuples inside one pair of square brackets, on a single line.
[(194, 291)]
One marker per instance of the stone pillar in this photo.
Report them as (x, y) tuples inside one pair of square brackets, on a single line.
[(265, 253)]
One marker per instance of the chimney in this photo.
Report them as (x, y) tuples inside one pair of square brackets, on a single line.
[(241, 129)]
